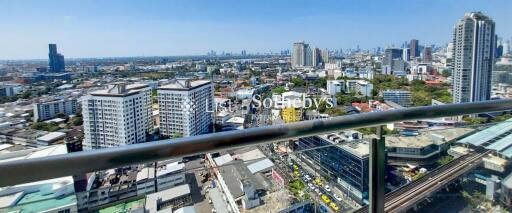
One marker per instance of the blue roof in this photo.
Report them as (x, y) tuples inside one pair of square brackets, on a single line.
[(488, 134), (507, 152), (501, 144)]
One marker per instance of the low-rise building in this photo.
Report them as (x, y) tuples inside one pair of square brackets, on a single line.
[(50, 109), (291, 114), (401, 97), (423, 149)]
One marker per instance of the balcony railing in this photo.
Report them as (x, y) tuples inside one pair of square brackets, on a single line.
[(29, 170), (15, 172)]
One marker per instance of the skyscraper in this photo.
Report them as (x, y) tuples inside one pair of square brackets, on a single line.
[(414, 46), (56, 60), (302, 55), (324, 56), (186, 107), (316, 57), (473, 58), (406, 54), (390, 54), (118, 115), (427, 54)]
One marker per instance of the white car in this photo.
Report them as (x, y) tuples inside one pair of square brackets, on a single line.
[(310, 185), (327, 188), (337, 197), (317, 190)]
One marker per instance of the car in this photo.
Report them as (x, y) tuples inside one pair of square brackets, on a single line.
[(310, 185), (318, 182), (307, 177), (326, 199), (337, 197), (318, 191), (327, 188), (323, 208), (335, 207)]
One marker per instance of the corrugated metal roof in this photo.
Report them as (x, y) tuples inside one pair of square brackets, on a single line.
[(260, 165), (507, 152), (223, 159), (488, 134), (501, 144)]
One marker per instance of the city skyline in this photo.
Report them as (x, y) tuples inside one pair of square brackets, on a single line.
[(94, 29)]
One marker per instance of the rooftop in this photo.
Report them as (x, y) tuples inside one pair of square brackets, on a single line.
[(359, 148), (120, 89), (184, 84), (51, 136), (427, 138), (496, 137)]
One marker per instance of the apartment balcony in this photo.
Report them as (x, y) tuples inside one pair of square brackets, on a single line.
[(323, 165)]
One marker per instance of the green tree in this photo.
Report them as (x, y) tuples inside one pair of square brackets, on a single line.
[(501, 118), (50, 127), (278, 90), (444, 160), (77, 121), (472, 120), (298, 82)]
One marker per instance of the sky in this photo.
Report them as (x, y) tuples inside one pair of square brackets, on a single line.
[(118, 28)]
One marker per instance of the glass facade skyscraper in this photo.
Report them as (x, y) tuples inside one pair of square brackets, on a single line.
[(56, 60)]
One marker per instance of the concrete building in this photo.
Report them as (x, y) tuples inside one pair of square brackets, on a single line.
[(360, 87), (186, 107), (473, 59), (401, 97), (390, 54), (302, 55), (291, 114), (49, 110), (423, 149), (118, 115), (335, 87)]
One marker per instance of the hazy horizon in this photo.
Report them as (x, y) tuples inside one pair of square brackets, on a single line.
[(107, 29)]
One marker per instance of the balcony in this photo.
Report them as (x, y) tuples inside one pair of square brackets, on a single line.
[(326, 165)]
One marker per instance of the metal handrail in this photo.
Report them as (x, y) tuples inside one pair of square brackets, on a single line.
[(29, 170)]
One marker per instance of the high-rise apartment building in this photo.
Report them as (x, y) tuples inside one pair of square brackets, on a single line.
[(186, 107), (473, 58), (56, 60), (118, 115), (415, 50), (302, 55)]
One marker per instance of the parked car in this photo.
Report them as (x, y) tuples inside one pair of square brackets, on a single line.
[(326, 199), (323, 208), (327, 188), (335, 207), (337, 197)]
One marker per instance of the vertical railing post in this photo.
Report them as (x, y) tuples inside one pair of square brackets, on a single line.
[(377, 172)]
